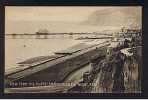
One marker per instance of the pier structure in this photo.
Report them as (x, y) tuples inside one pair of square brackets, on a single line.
[(57, 35), (49, 35)]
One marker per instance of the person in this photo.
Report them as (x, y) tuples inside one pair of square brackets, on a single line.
[(126, 43), (118, 85)]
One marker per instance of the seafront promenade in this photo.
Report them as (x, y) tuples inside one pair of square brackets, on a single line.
[(108, 58)]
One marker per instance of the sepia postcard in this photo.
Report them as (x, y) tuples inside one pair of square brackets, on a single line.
[(73, 49)]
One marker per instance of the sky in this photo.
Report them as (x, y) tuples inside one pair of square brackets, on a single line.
[(66, 14), (29, 19)]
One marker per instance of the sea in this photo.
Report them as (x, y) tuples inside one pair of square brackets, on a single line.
[(18, 50)]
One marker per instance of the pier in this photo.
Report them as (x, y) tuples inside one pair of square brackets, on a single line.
[(55, 35)]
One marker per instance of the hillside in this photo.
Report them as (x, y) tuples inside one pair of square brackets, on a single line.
[(116, 16)]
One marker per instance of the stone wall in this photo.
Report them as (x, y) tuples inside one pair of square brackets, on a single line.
[(60, 71)]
